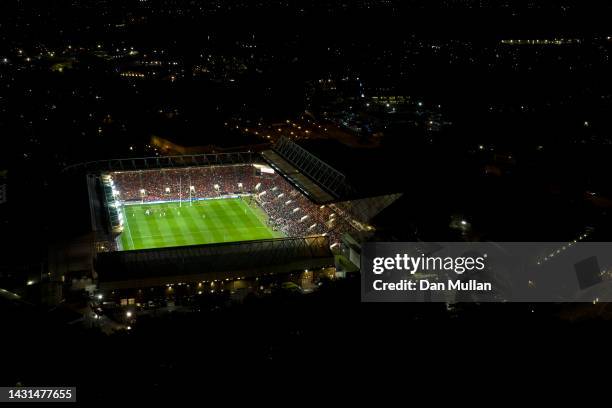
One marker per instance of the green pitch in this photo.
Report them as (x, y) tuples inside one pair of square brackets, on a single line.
[(200, 222)]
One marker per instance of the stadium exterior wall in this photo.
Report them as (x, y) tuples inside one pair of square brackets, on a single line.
[(245, 273)]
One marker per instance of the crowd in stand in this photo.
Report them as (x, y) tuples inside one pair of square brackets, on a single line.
[(175, 184), (288, 209)]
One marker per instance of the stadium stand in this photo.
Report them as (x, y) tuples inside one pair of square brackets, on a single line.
[(316, 178), (145, 268)]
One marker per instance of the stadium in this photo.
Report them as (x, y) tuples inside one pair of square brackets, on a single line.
[(239, 222)]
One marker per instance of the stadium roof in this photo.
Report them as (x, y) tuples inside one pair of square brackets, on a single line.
[(156, 267), (156, 162), (365, 209), (322, 183), (309, 187)]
